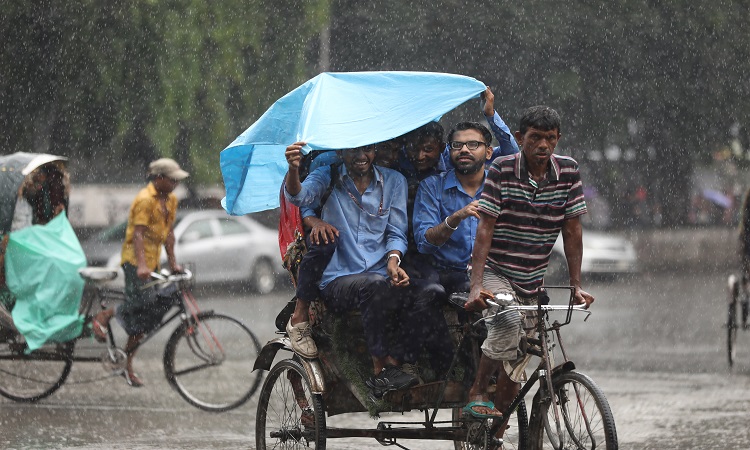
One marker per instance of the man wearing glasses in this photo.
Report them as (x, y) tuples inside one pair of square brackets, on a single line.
[(368, 208), (446, 207)]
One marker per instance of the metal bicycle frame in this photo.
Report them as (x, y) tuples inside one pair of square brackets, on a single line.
[(428, 430)]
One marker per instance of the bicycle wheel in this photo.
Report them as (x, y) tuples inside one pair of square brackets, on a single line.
[(32, 377), (289, 415), (586, 422), (210, 362), (515, 437), (734, 293)]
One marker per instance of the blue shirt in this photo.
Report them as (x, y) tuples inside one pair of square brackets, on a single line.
[(508, 144), (437, 198), (370, 225)]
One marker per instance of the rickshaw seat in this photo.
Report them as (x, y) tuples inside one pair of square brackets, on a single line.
[(97, 274)]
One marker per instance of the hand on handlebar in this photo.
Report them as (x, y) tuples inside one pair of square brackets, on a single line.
[(477, 301), (582, 297), (143, 272)]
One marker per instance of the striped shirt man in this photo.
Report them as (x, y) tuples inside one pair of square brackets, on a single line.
[(529, 216)]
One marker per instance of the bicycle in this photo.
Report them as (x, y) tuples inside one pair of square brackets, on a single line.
[(739, 305), (569, 411), (202, 356)]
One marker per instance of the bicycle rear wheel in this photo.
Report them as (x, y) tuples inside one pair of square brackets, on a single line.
[(32, 377), (515, 437), (586, 421), (210, 362), (734, 294)]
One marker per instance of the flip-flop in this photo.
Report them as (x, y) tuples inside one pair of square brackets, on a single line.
[(468, 409), (100, 331)]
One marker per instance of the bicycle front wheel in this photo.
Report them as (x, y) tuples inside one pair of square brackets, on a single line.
[(585, 420), (32, 377), (209, 362)]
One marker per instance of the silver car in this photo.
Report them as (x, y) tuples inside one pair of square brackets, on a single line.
[(220, 249), (603, 254)]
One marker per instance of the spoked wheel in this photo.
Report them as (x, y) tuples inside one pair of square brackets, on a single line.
[(32, 377), (209, 362), (289, 415), (515, 436), (585, 419), (732, 322)]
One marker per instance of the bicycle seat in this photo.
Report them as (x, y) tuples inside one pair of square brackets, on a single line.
[(97, 273)]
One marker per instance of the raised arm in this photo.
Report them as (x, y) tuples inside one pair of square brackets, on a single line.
[(293, 156), (507, 143)]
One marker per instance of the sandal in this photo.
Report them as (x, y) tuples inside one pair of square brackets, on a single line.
[(132, 379), (100, 331), (469, 409)]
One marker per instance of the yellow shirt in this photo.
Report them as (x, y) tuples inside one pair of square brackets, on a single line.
[(146, 210)]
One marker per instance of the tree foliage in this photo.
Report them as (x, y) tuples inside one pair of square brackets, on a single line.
[(116, 83), (120, 82)]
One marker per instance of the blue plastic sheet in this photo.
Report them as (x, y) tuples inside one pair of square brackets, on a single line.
[(333, 111), (41, 269)]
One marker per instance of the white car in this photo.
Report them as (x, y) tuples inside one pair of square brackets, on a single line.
[(603, 253), (219, 249)]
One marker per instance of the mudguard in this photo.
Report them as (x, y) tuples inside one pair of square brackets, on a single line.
[(268, 353), (314, 370)]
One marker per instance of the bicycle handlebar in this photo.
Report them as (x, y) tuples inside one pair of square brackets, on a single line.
[(158, 278)]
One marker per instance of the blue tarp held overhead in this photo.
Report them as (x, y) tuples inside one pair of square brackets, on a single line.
[(333, 111)]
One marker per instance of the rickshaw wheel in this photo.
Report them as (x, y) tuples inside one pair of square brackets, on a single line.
[(289, 414), (516, 436), (32, 377)]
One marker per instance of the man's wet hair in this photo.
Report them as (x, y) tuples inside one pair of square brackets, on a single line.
[(540, 117), (431, 129), (463, 126)]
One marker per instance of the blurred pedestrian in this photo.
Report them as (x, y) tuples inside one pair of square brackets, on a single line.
[(150, 222)]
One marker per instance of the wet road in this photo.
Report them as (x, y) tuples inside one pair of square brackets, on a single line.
[(655, 344)]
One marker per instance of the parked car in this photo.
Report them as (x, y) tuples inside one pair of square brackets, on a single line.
[(603, 254), (220, 248)]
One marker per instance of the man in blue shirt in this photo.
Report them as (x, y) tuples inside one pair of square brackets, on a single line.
[(445, 210), (368, 209)]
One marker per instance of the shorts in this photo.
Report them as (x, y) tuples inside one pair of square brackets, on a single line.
[(505, 331), (143, 309)]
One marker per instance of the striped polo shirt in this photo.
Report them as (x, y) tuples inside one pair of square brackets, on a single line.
[(529, 216)]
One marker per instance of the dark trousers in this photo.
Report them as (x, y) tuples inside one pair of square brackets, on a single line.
[(311, 268), (423, 325), (454, 280), (369, 293)]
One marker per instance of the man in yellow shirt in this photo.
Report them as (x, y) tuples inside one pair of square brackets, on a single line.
[(150, 222)]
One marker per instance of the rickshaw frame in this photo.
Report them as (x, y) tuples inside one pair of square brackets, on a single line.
[(477, 433)]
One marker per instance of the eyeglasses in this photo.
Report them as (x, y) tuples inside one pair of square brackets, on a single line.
[(471, 145)]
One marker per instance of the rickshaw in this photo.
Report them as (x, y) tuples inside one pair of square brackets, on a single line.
[(568, 410), (48, 297), (335, 111)]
